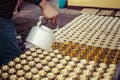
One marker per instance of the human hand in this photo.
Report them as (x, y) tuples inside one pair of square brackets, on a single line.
[(49, 12)]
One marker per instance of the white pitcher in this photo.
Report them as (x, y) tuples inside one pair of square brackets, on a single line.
[(41, 36)]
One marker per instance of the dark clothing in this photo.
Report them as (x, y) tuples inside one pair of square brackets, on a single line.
[(7, 8), (8, 43)]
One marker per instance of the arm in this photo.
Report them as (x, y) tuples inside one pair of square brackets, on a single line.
[(48, 11)]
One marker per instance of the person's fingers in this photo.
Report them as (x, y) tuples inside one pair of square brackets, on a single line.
[(54, 21), (51, 18), (55, 17), (48, 18)]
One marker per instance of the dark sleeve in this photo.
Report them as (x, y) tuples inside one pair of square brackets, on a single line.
[(36, 2)]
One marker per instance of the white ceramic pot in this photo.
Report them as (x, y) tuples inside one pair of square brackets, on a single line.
[(41, 36)]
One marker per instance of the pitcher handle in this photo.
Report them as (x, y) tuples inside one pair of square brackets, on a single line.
[(39, 23)]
